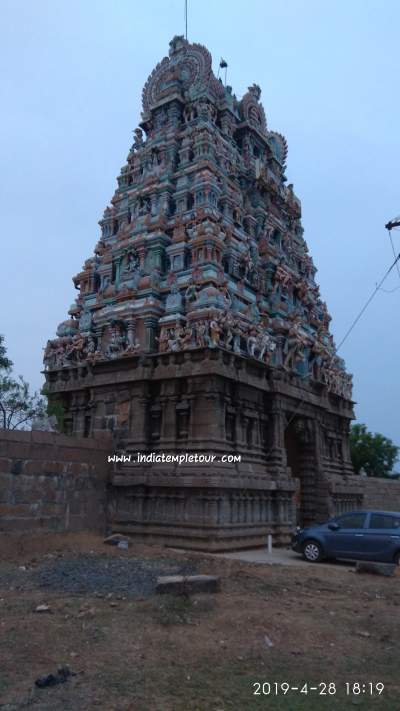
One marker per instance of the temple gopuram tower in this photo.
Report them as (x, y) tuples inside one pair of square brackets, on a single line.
[(199, 328)]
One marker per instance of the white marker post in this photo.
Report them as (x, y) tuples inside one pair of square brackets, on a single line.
[(269, 542)]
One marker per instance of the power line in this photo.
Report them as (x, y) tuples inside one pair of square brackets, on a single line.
[(369, 301), (393, 250)]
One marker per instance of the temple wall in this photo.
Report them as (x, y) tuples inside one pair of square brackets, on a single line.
[(383, 494), (204, 518), (50, 482), (55, 483), (346, 493)]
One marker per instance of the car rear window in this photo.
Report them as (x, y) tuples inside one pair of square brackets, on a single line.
[(355, 520), (384, 521)]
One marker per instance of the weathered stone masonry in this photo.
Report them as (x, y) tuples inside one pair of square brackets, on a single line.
[(52, 483)]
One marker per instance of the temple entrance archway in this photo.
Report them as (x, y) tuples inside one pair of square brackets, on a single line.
[(300, 454)]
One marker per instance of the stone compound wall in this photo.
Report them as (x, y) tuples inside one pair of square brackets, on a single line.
[(347, 493), (51, 482), (56, 483), (383, 494)]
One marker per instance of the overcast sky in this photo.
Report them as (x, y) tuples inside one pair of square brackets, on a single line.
[(72, 73)]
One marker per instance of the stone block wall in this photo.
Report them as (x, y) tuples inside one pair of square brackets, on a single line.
[(51, 482), (347, 493), (382, 494)]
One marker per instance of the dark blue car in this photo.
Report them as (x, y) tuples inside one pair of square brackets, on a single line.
[(358, 535)]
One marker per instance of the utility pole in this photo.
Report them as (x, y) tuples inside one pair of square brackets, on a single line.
[(389, 226), (393, 223)]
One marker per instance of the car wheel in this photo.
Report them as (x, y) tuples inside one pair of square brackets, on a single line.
[(312, 551), (397, 558)]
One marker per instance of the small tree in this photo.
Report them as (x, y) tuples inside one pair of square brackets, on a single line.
[(17, 405), (374, 453), (5, 363), (54, 409)]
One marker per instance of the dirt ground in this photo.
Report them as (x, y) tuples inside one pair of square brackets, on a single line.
[(133, 650)]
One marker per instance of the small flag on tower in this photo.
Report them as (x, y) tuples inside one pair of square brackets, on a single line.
[(223, 64)]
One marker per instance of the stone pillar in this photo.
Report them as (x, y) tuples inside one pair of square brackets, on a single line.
[(215, 405), (168, 422), (139, 505), (139, 419), (277, 451), (131, 331), (269, 511), (279, 508), (150, 324), (154, 203), (98, 332), (213, 509), (79, 417), (241, 430), (234, 508)]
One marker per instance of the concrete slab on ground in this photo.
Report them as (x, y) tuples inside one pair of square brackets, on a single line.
[(279, 556)]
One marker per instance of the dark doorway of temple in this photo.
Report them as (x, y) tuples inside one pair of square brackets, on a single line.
[(300, 458), (293, 456)]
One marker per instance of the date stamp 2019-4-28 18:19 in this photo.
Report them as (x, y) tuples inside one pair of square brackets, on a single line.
[(323, 688)]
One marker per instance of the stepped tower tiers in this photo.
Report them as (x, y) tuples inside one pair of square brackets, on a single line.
[(199, 327)]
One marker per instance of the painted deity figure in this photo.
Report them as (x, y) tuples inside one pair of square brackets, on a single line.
[(252, 343), (237, 335), (75, 349), (92, 354), (132, 348), (173, 341), (191, 293), (163, 340), (295, 345), (116, 343), (228, 337), (282, 278), (201, 333), (48, 356), (215, 333), (186, 337), (132, 262), (319, 355), (266, 346), (138, 138)]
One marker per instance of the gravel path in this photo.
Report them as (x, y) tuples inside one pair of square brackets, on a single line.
[(82, 574)]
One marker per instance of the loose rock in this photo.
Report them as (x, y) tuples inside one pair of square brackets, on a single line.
[(188, 585), (386, 569), (63, 673), (115, 539)]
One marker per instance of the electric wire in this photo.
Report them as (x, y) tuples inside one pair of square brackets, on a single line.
[(368, 301), (394, 253), (390, 291)]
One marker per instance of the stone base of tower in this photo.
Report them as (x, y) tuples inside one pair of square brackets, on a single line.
[(205, 519), (212, 540), (291, 438)]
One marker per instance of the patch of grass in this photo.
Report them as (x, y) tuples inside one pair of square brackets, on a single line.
[(173, 610), (179, 609)]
